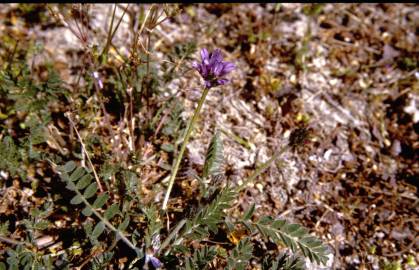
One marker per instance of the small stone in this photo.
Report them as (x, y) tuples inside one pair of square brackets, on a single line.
[(259, 186)]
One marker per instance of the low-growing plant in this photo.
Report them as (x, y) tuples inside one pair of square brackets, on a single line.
[(104, 201)]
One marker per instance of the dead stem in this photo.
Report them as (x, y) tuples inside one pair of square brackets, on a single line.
[(85, 151)]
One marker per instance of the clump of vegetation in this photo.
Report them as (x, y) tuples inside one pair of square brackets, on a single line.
[(97, 172), (103, 198)]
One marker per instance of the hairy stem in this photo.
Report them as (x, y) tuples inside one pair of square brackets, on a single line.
[(183, 147), (262, 168), (172, 235), (14, 242), (107, 223), (97, 214)]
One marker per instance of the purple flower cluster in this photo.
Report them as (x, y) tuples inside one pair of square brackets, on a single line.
[(153, 260), (212, 68), (149, 256)]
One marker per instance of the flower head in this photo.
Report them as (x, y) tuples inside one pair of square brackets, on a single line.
[(149, 258), (212, 68)]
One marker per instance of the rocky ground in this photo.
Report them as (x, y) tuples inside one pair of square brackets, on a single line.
[(346, 72)]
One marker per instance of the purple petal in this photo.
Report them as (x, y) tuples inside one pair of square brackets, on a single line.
[(212, 68), (197, 66), (208, 84), (204, 71), (155, 242), (227, 67), (222, 81), (204, 55), (155, 262), (217, 69), (216, 56)]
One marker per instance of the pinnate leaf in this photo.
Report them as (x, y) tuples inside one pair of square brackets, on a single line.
[(98, 230), (101, 200), (249, 213), (124, 224), (84, 181), (87, 211), (214, 157), (111, 211), (68, 167), (240, 255), (90, 190), (76, 199), (79, 172), (293, 236)]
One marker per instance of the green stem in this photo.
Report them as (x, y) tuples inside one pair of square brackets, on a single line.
[(106, 222), (262, 168), (183, 147), (172, 235), (236, 138)]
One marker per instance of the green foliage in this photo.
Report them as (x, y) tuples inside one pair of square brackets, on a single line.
[(4, 228), (313, 9), (183, 51), (153, 229), (26, 100), (392, 265), (174, 124), (206, 221), (180, 53), (21, 258), (214, 158), (24, 258), (132, 184), (249, 213), (24, 254), (16, 155), (408, 63), (294, 236), (112, 211), (201, 258), (240, 255), (101, 200), (11, 157), (283, 262), (102, 260), (210, 216), (123, 226), (78, 179), (29, 95), (38, 219), (213, 172), (23, 94), (98, 230)]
